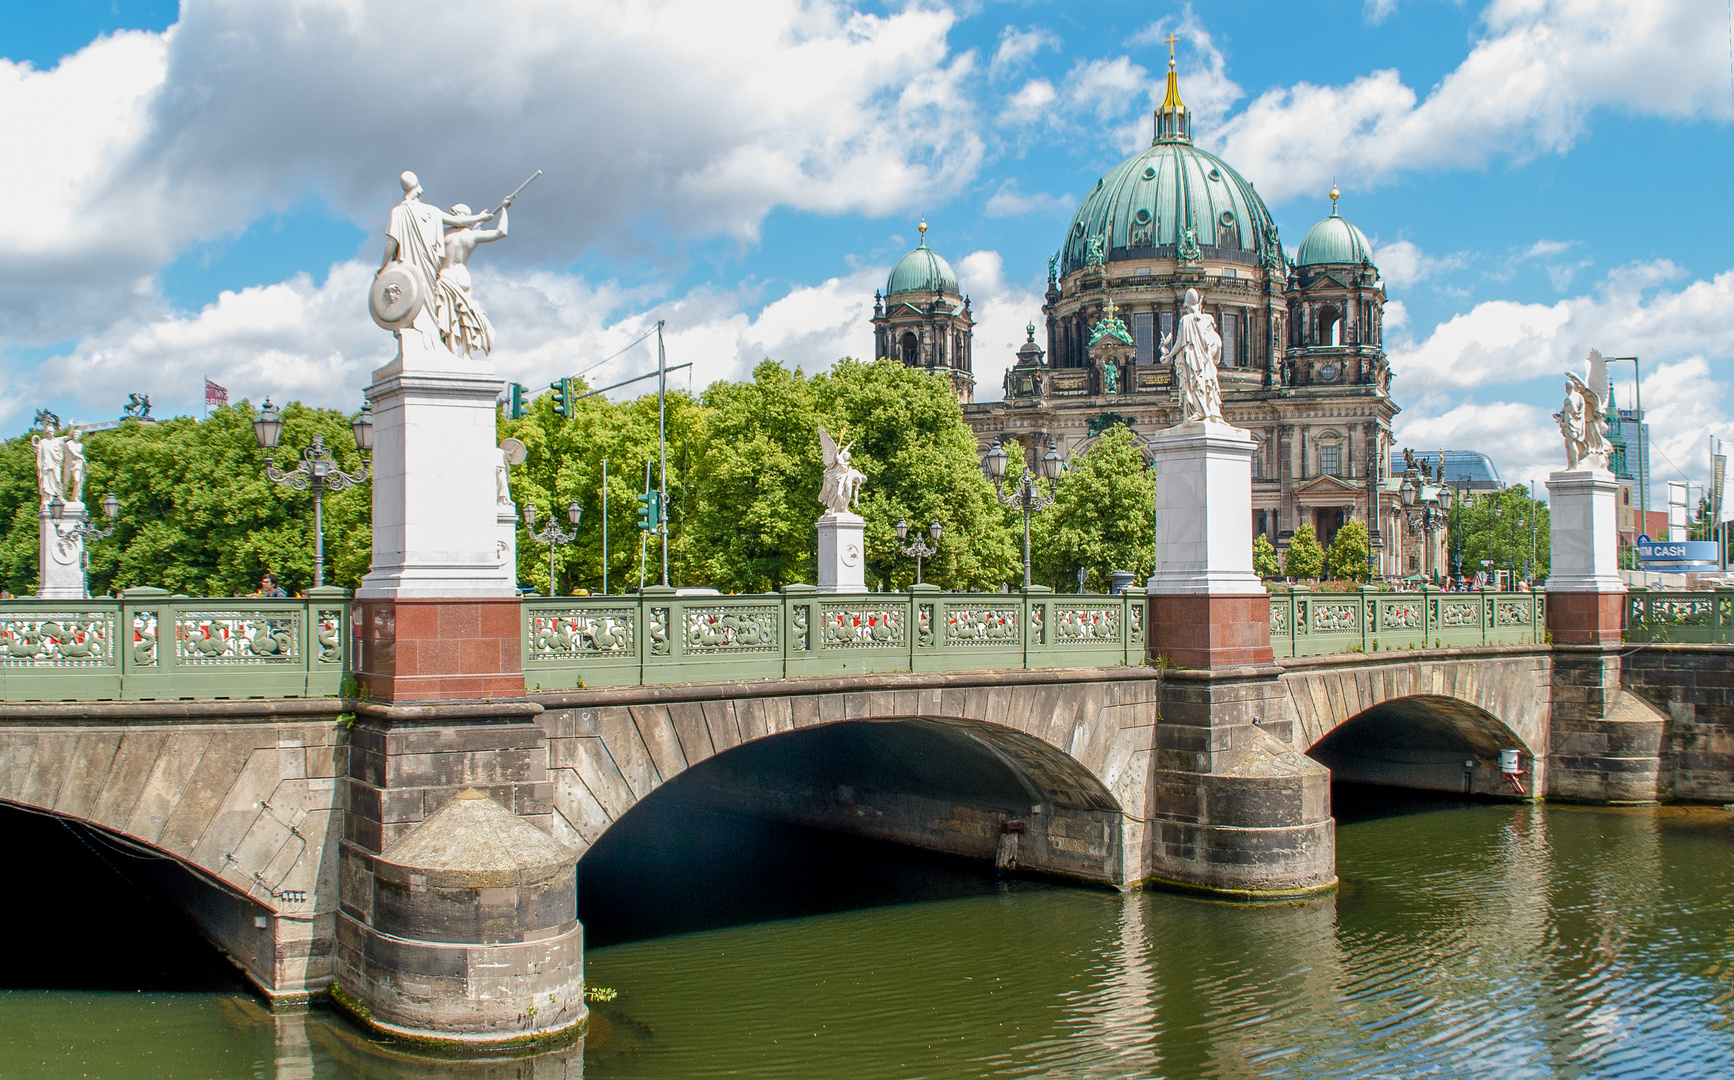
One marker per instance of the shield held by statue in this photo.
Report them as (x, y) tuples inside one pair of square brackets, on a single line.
[(397, 296)]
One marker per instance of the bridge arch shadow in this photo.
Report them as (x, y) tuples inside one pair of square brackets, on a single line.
[(818, 807), (1426, 742)]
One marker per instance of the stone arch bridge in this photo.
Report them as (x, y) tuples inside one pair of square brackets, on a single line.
[(1208, 779)]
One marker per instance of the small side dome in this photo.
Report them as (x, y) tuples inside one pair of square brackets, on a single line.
[(1334, 241), (922, 270)]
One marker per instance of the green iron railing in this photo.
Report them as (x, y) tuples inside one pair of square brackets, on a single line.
[(1305, 623), (659, 637), (1701, 617), (148, 645)]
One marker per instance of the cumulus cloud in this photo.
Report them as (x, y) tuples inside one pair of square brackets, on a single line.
[(1403, 263), (1526, 88), (1018, 47), (1521, 439), (1002, 309), (142, 143), (1008, 201)]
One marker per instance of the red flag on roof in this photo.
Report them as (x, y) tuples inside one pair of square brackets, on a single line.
[(215, 395)]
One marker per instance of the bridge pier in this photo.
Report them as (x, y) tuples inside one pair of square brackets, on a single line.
[(457, 919), (1606, 742)]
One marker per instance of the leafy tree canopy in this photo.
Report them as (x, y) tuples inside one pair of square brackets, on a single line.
[(1264, 560), (1503, 528), (1306, 558), (1349, 550), (1103, 517)]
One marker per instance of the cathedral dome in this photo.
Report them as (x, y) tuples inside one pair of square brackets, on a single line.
[(922, 271), (1145, 202), (1334, 241)]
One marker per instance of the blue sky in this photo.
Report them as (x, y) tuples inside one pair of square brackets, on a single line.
[(204, 187)]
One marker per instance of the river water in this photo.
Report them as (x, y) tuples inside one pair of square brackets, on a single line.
[(1467, 940)]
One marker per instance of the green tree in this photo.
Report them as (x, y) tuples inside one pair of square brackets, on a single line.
[(1264, 561), (198, 514), (1306, 559), (1503, 528), (1103, 517), (1349, 550)]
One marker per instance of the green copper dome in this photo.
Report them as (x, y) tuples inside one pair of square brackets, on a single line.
[(1334, 240), (1173, 192), (922, 271)]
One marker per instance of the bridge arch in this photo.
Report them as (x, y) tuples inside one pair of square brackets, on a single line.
[(1040, 772), (1436, 724)]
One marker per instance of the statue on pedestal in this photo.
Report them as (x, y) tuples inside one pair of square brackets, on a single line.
[(1581, 418), (1194, 348), (843, 481), (50, 460)]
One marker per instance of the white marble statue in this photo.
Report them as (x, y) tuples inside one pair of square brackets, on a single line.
[(842, 480), (50, 459), (1581, 418), (423, 283), (1194, 349), (73, 469)]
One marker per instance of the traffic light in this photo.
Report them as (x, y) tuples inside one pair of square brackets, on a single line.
[(563, 397), (650, 511), (515, 400)]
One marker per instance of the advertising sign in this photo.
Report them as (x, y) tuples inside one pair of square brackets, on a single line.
[(1676, 554)]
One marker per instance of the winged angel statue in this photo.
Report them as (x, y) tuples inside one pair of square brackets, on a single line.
[(842, 480), (1581, 418)]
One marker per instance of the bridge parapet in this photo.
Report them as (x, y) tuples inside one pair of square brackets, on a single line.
[(1305, 623), (661, 638), (149, 645), (1685, 617)]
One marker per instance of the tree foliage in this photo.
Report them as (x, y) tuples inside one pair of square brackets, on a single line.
[(1264, 560), (1306, 558), (1103, 517), (198, 514), (1503, 528), (1349, 551)]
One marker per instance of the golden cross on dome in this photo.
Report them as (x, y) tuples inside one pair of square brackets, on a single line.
[(1171, 39), (1109, 310)]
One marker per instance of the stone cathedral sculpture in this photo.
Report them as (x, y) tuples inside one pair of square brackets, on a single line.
[(1582, 420), (1194, 349)]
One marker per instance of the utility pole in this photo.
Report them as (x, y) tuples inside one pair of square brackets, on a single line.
[(643, 536), (662, 436), (604, 526)]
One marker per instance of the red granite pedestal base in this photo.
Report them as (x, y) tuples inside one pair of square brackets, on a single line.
[(427, 650), (1210, 631), (1586, 618)]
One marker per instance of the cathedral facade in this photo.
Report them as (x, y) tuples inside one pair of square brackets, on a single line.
[(1303, 363)]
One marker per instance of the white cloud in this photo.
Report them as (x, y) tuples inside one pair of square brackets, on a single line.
[(1502, 341), (1001, 311), (1402, 263), (1377, 11), (1525, 89), (1008, 201), (1521, 439), (1018, 47), (701, 116), (1031, 103)]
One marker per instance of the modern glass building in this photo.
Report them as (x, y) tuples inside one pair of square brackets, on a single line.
[(1464, 469)]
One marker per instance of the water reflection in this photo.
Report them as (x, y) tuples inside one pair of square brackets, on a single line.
[(1467, 940)]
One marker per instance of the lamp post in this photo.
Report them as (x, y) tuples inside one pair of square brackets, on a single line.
[(1026, 491), (551, 534), (1426, 502), (1643, 523), (918, 549), (317, 470), (82, 530)]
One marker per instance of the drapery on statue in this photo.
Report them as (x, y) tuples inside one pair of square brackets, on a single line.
[(1194, 349), (60, 466), (1581, 418), (423, 283), (842, 480)]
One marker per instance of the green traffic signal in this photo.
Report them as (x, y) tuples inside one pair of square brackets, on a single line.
[(515, 400), (562, 396), (649, 511)]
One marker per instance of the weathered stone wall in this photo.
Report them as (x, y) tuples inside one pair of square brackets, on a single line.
[(244, 792), (1692, 689)]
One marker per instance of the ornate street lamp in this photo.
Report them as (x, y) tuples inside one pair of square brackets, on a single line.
[(551, 534), (317, 471), (918, 549), (1426, 503), (1026, 491), (81, 529)]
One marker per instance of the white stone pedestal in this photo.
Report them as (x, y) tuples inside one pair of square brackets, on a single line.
[(61, 562), (1204, 511), (842, 553), (1582, 523), (436, 515), (507, 544)]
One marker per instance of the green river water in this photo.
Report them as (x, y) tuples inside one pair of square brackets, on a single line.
[(1466, 941)]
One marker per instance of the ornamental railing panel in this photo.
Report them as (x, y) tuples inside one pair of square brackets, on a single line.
[(1305, 623), (1686, 617)]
